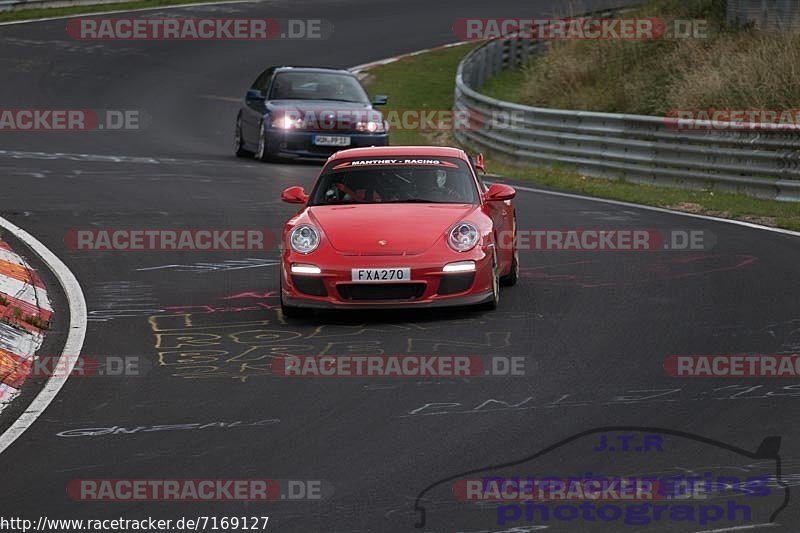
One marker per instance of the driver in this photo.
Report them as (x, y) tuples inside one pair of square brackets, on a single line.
[(437, 187)]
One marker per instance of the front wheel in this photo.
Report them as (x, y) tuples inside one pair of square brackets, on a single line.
[(495, 301), (238, 140), (262, 154), (512, 277), (290, 311)]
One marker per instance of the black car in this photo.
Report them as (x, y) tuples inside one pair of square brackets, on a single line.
[(304, 112)]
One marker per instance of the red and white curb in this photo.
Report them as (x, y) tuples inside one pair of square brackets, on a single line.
[(25, 313), (76, 304)]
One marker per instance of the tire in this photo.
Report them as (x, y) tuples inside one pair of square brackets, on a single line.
[(492, 304), (238, 140), (510, 279), (290, 311), (262, 154)]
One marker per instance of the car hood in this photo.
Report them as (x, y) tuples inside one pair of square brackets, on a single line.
[(321, 108), (387, 229)]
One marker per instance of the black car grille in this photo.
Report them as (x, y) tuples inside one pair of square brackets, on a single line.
[(381, 291), (309, 285), (453, 283)]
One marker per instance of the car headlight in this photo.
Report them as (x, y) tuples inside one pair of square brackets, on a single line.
[(370, 126), (459, 267), (298, 268), (304, 239), (463, 236), (287, 122)]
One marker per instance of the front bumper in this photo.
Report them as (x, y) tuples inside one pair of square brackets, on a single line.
[(452, 301), (300, 144), (429, 286)]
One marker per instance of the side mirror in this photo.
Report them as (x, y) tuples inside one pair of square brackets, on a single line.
[(255, 95), (500, 193), (380, 99), (479, 163), (294, 195)]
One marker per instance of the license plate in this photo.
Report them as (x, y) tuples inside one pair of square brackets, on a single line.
[(381, 275), (331, 140)]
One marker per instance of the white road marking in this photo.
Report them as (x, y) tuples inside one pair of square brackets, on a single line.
[(75, 337), (658, 210), (232, 264), (366, 66), (98, 158), (739, 528), (9, 23)]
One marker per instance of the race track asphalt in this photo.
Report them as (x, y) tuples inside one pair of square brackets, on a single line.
[(594, 329)]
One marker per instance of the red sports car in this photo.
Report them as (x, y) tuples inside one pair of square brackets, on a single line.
[(398, 227)]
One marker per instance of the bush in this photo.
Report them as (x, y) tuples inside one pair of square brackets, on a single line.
[(733, 68)]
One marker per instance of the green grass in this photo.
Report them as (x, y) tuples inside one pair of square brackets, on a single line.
[(26, 14), (726, 205), (426, 82), (729, 68), (506, 85), (416, 83)]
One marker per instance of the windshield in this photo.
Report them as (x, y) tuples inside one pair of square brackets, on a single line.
[(400, 180), (317, 86)]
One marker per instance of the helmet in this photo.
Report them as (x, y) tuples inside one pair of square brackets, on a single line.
[(441, 178)]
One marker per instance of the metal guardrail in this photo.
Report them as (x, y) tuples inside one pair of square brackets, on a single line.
[(775, 15), (639, 148)]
